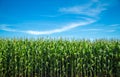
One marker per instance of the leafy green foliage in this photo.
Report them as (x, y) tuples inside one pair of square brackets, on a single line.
[(59, 58)]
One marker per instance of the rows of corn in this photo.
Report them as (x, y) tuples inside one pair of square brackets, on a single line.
[(59, 58)]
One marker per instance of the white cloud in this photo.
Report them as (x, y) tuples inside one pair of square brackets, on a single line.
[(115, 25), (6, 28), (90, 9), (92, 29), (111, 30), (65, 28)]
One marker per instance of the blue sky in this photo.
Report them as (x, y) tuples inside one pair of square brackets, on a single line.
[(89, 19)]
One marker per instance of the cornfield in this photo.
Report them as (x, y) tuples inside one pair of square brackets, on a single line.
[(59, 58)]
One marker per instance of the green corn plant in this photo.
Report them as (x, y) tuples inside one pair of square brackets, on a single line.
[(59, 58)]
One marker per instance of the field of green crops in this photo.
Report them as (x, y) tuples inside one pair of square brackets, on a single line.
[(59, 58)]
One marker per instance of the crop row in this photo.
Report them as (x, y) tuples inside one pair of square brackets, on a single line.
[(59, 58)]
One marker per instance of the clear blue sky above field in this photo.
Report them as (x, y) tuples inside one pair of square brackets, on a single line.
[(88, 19)]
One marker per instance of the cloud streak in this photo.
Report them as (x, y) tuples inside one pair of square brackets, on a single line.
[(90, 9), (111, 30), (6, 28), (65, 28), (115, 25), (92, 29), (62, 29)]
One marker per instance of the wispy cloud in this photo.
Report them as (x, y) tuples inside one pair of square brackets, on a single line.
[(102, 28), (110, 30), (65, 28), (91, 29), (90, 9), (115, 25), (98, 30), (6, 28)]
